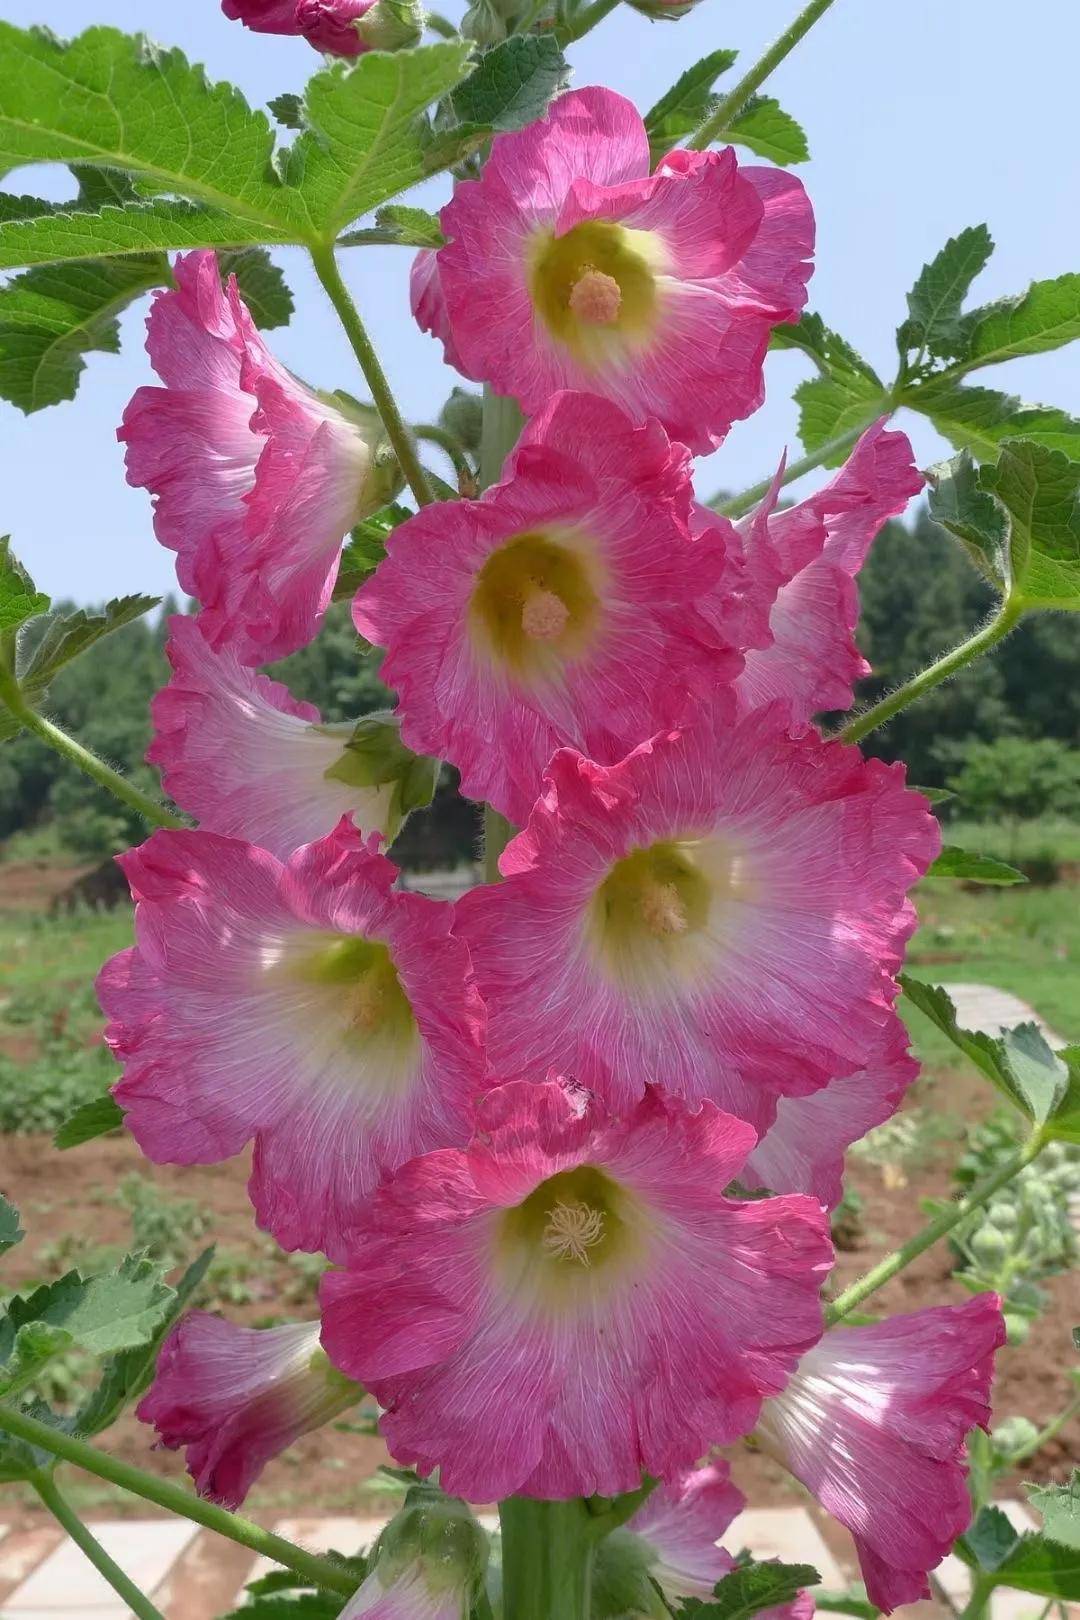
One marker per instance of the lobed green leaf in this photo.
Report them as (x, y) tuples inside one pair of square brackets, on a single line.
[(768, 131), (686, 105), (19, 600), (1060, 1509), (1045, 317), (92, 1119), (751, 1588), (366, 548), (1040, 492), (981, 419), (513, 83), (832, 354), (10, 1230), (115, 1311), (935, 301)]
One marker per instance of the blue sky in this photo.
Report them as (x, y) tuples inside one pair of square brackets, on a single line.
[(923, 116)]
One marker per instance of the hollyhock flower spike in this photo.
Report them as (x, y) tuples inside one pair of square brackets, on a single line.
[(803, 1150), (256, 479), (236, 1397), (571, 1301), (569, 265), (240, 753), (558, 608), (304, 1004), (801, 564), (873, 1423), (329, 25), (427, 1565), (722, 912)]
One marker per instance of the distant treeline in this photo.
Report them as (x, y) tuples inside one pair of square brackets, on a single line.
[(919, 596)]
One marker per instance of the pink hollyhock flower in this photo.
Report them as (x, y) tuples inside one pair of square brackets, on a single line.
[(558, 608), (304, 1004), (803, 1149), (429, 305), (672, 1543), (329, 25), (256, 479), (571, 1300), (569, 265), (236, 1397), (428, 1563), (873, 1423), (720, 912), (799, 577), (238, 751)]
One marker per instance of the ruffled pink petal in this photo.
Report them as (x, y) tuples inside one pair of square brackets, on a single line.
[(808, 851), (508, 1393), (409, 1596), (235, 1397), (428, 305), (256, 481), (224, 1036), (263, 16), (817, 547), (874, 1423), (682, 1523), (240, 753), (804, 1148), (581, 467), (731, 250), (329, 24)]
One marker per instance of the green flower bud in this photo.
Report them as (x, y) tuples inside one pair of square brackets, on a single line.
[(463, 416), (436, 1536), (988, 1245), (392, 25)]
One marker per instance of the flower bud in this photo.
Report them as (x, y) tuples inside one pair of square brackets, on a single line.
[(1015, 1436), (392, 25), (428, 1562), (988, 1245), (374, 756), (463, 416), (663, 10)]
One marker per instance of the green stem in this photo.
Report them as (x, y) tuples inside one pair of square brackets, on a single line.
[(326, 268), (438, 24), (586, 19), (752, 81), (499, 432), (738, 505), (995, 630), (65, 1514), (547, 1555), (450, 447), (981, 1592), (1054, 1427), (938, 1228), (104, 775), (175, 1499)]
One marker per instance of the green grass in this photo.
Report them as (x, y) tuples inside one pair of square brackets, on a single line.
[(1045, 839), (1025, 939), (40, 950)]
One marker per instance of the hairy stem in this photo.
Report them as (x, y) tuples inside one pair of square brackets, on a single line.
[(500, 429), (65, 1514), (752, 81), (982, 1589), (995, 630), (450, 447), (175, 1499), (547, 1550), (326, 268), (738, 505), (585, 20), (104, 775), (940, 1227)]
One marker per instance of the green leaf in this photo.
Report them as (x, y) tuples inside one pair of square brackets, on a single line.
[(750, 1588), (832, 354), (1064, 1124), (367, 140), (288, 109), (981, 419), (10, 1230), (934, 303), (133, 228), (682, 108), (262, 286), (127, 1374), (95, 1118), (115, 1311), (834, 405), (768, 131), (118, 101), (934, 795), (303, 1606), (513, 84), (366, 548), (1019, 1063), (19, 600), (961, 863), (34, 1345), (853, 1602), (1060, 1509), (1037, 1564), (1040, 491), (959, 503), (70, 634), (989, 1541), (1047, 316)]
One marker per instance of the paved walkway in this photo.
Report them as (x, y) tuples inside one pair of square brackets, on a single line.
[(982, 1006)]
